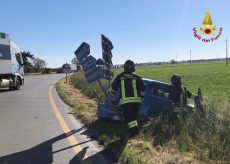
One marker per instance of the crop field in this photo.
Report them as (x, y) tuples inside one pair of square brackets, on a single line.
[(213, 78), (207, 137)]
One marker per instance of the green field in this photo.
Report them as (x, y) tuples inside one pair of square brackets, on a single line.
[(213, 78), (207, 137)]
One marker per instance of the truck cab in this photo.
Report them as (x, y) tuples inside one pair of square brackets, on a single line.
[(11, 64)]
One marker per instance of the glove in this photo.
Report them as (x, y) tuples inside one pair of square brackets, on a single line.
[(160, 93)]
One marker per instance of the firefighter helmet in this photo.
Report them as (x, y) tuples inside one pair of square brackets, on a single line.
[(129, 66), (176, 79)]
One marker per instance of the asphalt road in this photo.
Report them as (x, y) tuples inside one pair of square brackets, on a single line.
[(36, 127)]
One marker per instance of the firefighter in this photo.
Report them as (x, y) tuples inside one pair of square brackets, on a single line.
[(131, 88), (178, 93)]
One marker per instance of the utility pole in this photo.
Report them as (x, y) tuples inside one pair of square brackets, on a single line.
[(217, 58), (190, 57), (176, 58), (226, 52)]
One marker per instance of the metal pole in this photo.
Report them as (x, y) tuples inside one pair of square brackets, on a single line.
[(176, 58), (104, 91), (66, 78), (190, 57)]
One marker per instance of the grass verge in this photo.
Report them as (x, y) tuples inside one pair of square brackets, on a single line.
[(110, 134)]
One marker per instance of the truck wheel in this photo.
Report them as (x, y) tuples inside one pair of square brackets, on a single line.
[(11, 88), (17, 83)]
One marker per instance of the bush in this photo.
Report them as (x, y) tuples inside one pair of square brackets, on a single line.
[(46, 71)]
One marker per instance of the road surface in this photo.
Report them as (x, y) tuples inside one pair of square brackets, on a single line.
[(36, 127)]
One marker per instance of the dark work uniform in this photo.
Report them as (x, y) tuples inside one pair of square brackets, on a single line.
[(131, 87), (179, 95)]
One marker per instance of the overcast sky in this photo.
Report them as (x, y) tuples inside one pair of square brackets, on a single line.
[(141, 30)]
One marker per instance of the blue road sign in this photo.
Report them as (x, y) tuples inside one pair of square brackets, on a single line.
[(82, 52), (91, 70), (94, 76), (88, 63)]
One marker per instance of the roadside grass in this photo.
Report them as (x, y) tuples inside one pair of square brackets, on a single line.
[(93, 90), (111, 134), (206, 137)]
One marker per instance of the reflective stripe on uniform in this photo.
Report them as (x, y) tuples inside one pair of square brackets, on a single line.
[(177, 110), (130, 100), (125, 99), (181, 100), (122, 88), (132, 124), (134, 82), (166, 95)]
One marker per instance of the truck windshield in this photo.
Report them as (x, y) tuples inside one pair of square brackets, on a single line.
[(5, 52)]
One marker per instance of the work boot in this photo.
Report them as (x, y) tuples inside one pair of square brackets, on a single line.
[(133, 132), (133, 128)]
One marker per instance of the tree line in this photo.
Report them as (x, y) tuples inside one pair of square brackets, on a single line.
[(33, 64)]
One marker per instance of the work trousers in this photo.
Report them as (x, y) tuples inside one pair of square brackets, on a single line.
[(130, 111)]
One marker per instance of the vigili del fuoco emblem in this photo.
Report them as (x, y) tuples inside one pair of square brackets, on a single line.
[(207, 30)]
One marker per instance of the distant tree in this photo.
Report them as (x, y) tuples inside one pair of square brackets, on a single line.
[(27, 57), (39, 65), (47, 71), (75, 61), (173, 61)]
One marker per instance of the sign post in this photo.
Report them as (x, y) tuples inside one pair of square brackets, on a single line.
[(92, 71), (66, 69)]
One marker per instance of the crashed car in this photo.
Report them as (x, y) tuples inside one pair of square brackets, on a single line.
[(151, 106)]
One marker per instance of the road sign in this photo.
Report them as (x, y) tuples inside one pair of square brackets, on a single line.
[(98, 73), (91, 70), (67, 70), (88, 63), (107, 47), (82, 52), (94, 76)]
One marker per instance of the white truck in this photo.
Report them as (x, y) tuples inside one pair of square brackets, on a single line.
[(11, 64)]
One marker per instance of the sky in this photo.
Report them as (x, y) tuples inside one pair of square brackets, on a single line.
[(140, 30)]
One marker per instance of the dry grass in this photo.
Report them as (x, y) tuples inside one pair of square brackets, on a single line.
[(84, 107)]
